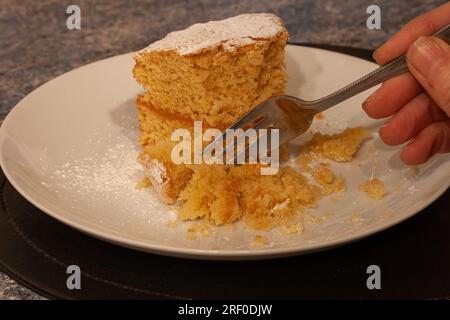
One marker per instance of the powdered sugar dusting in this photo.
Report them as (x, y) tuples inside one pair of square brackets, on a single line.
[(100, 176), (233, 32), (156, 171), (107, 177)]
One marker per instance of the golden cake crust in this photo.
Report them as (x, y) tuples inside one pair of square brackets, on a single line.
[(223, 35)]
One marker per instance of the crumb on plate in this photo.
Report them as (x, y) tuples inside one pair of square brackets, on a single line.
[(356, 217), (172, 224), (327, 216), (296, 228), (201, 228), (144, 183), (259, 241), (312, 219), (340, 147), (374, 188)]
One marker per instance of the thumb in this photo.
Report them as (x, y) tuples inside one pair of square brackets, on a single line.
[(429, 61)]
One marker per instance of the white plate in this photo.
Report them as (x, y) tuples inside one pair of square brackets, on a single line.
[(70, 146)]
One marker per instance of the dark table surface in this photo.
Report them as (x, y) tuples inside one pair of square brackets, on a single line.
[(36, 46)]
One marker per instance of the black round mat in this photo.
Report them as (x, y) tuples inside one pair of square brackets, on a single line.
[(36, 250)]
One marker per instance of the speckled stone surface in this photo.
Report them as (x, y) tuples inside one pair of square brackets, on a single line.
[(36, 46), (11, 290)]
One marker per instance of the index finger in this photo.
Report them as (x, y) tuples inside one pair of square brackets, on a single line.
[(424, 25)]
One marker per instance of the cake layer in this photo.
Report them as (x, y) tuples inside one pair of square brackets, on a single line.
[(236, 68), (156, 125)]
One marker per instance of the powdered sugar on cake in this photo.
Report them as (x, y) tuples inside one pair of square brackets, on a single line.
[(238, 31)]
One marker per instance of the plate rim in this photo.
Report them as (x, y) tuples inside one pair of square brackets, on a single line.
[(195, 253)]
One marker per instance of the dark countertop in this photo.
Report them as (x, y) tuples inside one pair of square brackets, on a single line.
[(36, 46)]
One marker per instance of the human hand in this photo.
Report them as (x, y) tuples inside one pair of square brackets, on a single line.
[(419, 101)]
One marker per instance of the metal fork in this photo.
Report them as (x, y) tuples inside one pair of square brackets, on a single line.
[(293, 116)]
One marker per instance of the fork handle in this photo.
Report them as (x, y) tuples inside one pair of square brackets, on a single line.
[(386, 72)]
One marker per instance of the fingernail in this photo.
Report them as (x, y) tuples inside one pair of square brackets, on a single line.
[(375, 55), (379, 56), (382, 131), (408, 145), (426, 52), (368, 100)]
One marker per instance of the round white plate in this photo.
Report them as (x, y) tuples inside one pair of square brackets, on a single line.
[(70, 148)]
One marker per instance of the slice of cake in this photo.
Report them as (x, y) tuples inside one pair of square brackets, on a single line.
[(215, 71)]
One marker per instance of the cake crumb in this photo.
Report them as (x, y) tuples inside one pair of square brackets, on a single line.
[(356, 217), (143, 184), (201, 228), (296, 228), (259, 241), (191, 234), (312, 219), (374, 188), (328, 180), (327, 216), (172, 224), (304, 160), (340, 147)]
